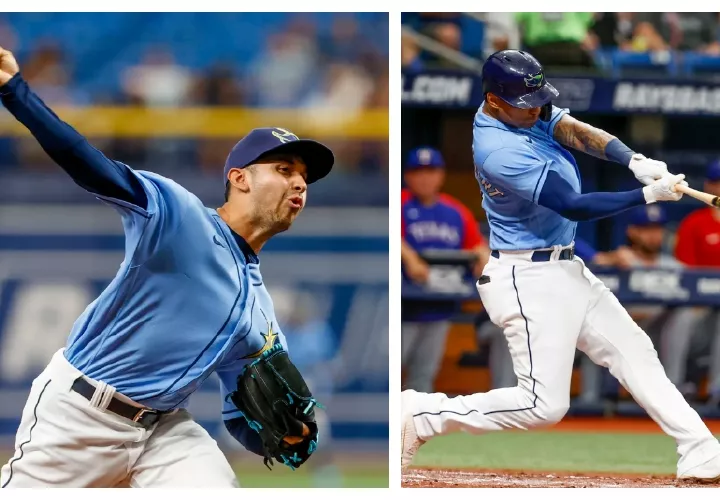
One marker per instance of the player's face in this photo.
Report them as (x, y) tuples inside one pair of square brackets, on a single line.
[(279, 190), (648, 238), (712, 187), (510, 115), (425, 182)]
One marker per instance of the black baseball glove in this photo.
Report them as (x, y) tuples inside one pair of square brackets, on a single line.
[(276, 402)]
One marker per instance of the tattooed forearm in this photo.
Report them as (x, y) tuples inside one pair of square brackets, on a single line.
[(581, 136)]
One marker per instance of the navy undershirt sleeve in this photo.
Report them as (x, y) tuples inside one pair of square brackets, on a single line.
[(241, 431), (558, 195), (87, 166)]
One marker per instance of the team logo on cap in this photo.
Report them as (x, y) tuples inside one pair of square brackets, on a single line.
[(284, 135), (534, 80), (425, 156), (653, 213)]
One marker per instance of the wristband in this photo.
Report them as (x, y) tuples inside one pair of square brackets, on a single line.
[(618, 152)]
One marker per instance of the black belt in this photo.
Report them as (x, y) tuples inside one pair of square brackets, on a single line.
[(544, 255), (143, 416)]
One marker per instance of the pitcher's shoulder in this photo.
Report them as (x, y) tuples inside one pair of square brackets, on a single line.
[(170, 189)]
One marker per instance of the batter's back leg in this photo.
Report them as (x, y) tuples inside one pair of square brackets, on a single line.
[(611, 338)]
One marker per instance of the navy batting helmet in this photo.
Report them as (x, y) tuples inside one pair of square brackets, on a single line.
[(518, 78)]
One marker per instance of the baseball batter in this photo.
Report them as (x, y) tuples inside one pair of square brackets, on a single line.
[(188, 300), (545, 299)]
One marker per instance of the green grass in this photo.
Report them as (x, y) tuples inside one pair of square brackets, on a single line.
[(337, 471), (281, 478), (560, 451)]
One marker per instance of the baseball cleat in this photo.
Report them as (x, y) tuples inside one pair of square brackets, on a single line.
[(707, 473), (410, 440)]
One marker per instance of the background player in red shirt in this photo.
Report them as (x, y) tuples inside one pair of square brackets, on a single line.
[(698, 236), (437, 221)]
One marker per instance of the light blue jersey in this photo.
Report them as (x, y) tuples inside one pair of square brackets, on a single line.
[(511, 165), (187, 301)]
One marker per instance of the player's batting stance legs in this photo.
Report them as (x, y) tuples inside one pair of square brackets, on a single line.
[(548, 309), (545, 299)]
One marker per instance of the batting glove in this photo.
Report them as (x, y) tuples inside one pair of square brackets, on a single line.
[(662, 189), (647, 170)]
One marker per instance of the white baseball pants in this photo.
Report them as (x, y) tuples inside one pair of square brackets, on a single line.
[(546, 310), (65, 441)]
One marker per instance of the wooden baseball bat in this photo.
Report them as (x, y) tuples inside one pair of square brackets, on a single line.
[(713, 201)]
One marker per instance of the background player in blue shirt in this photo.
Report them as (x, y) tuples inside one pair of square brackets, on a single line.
[(431, 220), (546, 300), (188, 301)]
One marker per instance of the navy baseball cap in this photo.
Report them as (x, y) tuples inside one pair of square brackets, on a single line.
[(648, 215), (263, 141), (713, 171), (425, 157)]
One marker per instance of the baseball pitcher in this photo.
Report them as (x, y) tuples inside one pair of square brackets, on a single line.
[(536, 289), (188, 300)]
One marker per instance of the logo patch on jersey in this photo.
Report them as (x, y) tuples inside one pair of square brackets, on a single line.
[(284, 135), (534, 80), (270, 340), (217, 241), (490, 189)]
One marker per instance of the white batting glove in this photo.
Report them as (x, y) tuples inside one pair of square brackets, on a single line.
[(647, 170), (662, 189)]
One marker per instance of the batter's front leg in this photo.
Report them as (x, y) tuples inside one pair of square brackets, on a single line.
[(541, 323), (611, 338)]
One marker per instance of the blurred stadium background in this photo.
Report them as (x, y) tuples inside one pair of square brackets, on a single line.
[(651, 79), (172, 93)]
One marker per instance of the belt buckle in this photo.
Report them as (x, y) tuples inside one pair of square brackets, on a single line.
[(139, 415)]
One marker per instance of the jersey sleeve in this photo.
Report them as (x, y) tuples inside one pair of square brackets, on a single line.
[(517, 170), (548, 127), (685, 243), (146, 228)]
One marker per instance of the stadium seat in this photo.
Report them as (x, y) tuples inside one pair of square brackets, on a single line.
[(695, 63), (473, 36), (627, 63)]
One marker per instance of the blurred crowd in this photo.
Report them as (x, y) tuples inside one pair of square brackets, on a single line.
[(302, 64), (687, 338), (560, 39)]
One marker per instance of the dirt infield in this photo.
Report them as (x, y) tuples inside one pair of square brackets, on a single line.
[(461, 478), (435, 477)]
